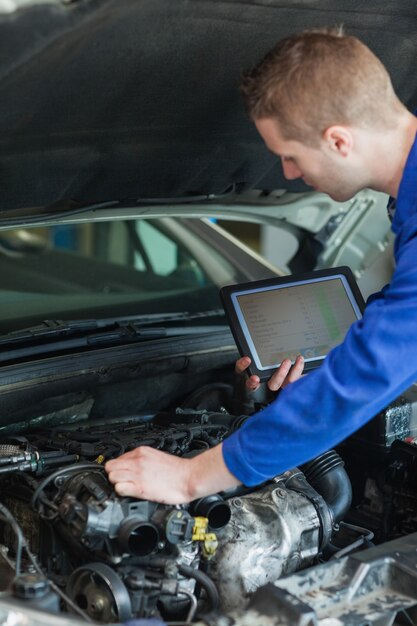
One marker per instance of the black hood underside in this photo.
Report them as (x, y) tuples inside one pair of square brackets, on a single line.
[(123, 99)]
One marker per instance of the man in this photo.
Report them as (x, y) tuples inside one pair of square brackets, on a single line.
[(325, 105)]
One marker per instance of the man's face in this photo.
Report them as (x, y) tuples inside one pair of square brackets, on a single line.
[(322, 168)]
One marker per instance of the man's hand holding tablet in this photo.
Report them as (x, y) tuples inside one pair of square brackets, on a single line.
[(286, 373)]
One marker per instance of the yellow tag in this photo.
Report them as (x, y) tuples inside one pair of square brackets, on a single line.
[(208, 540), (200, 528)]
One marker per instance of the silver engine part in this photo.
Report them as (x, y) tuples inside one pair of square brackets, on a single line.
[(272, 532)]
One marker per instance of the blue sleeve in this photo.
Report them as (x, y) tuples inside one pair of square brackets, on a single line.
[(376, 362), (377, 295)]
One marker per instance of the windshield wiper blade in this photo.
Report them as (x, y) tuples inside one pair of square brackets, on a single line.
[(29, 344), (48, 329), (164, 318), (56, 335), (54, 329)]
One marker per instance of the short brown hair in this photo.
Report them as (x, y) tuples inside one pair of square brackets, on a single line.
[(314, 79)]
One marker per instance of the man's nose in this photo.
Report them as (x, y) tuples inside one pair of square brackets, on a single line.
[(290, 170)]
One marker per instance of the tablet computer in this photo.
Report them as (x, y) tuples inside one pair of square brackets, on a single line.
[(283, 317)]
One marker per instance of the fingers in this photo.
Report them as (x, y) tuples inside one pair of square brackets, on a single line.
[(242, 364), (128, 489), (150, 474), (286, 373), (126, 465), (278, 377), (125, 460), (296, 371), (253, 383), (121, 475)]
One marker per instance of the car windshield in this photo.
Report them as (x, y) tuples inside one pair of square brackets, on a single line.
[(108, 269)]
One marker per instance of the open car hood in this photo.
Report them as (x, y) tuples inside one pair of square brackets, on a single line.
[(118, 99)]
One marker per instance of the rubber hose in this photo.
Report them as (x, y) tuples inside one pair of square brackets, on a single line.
[(328, 476), (206, 582)]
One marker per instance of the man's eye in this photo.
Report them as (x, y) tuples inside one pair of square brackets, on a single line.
[(288, 159)]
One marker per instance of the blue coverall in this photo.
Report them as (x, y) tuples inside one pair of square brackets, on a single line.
[(376, 362)]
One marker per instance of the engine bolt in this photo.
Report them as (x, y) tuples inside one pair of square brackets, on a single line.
[(237, 502)]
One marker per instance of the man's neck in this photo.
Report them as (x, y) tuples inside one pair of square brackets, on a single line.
[(397, 146)]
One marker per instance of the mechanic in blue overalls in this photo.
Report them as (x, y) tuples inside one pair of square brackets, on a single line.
[(325, 104)]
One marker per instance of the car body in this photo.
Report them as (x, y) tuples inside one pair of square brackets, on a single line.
[(124, 147)]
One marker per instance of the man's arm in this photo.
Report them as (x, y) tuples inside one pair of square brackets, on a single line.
[(154, 475), (374, 364)]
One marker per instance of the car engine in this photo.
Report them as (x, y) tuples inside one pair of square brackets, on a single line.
[(116, 558), (68, 542)]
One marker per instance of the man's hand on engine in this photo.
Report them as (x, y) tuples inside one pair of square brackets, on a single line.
[(285, 374), (150, 474)]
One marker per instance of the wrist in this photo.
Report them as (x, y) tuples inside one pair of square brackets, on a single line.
[(207, 474), (195, 478)]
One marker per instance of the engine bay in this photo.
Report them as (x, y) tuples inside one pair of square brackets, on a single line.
[(123, 558), (69, 543)]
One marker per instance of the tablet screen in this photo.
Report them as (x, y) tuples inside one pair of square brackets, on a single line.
[(289, 316)]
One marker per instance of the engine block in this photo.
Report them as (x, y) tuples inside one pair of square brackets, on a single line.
[(118, 558)]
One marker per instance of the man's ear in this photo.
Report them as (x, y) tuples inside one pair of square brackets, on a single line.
[(339, 139)]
